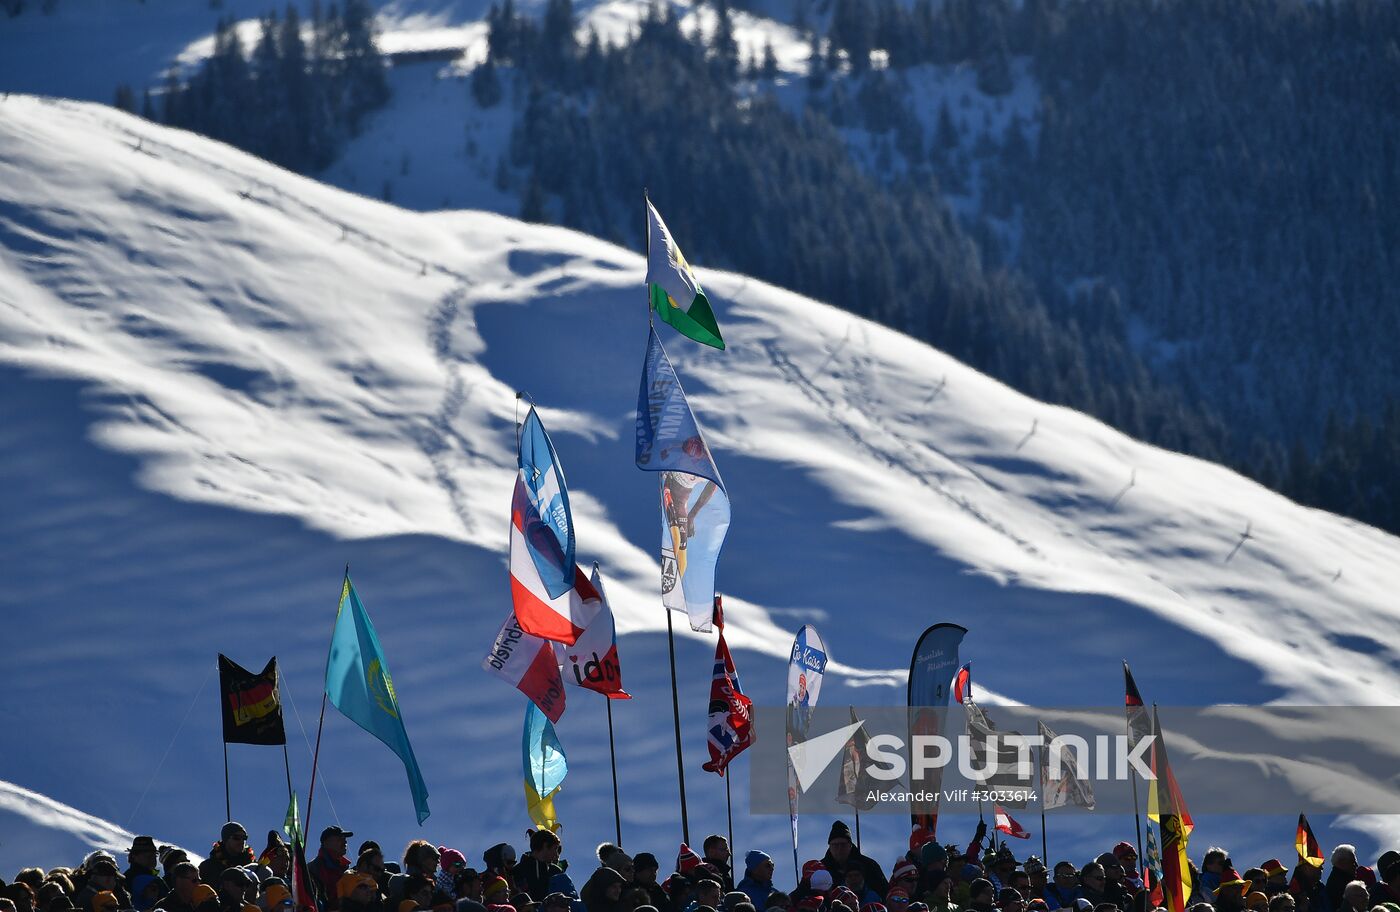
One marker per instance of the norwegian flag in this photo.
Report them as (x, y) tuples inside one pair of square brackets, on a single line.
[(962, 684), (731, 713), (1008, 826)]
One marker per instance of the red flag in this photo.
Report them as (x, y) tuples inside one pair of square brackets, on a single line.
[(962, 684), (1166, 807), (1007, 825), (731, 713), (592, 661), (528, 663)]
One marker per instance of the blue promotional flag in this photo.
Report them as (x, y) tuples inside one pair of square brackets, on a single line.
[(550, 541), (694, 504), (930, 680), (545, 767), (358, 683)]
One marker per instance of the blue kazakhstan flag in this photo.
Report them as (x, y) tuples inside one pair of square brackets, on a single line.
[(694, 503), (358, 683)]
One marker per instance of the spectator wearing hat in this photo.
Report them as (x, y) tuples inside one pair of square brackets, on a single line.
[(603, 892), (1275, 877), (1036, 879), (142, 858), (357, 891), (842, 854), (538, 866), (1000, 868), (757, 883), (102, 877), (644, 870), (1127, 856), (277, 857), (329, 865), (1387, 888), (170, 858), (855, 882), (231, 851)]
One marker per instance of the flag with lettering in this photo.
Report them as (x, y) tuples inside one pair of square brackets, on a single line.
[(592, 660), (694, 504), (252, 707), (528, 663)]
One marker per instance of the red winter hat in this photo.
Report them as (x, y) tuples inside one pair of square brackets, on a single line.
[(809, 867), (1124, 848), (811, 903), (873, 907), (687, 860), (903, 868), (1273, 868)]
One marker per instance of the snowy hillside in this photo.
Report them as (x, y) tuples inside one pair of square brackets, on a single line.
[(221, 382)]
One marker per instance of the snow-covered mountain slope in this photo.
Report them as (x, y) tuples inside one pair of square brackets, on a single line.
[(222, 382)]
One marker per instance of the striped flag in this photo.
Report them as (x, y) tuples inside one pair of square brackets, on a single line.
[(730, 728), (560, 618), (1309, 851), (1152, 869), (1138, 724), (545, 768), (592, 661), (1006, 824), (528, 663), (549, 536), (1167, 809)]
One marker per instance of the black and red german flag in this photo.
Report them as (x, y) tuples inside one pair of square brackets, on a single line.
[(251, 704)]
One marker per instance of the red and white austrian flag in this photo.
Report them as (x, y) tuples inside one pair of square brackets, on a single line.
[(1008, 826)]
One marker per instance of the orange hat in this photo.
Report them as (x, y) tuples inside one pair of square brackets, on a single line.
[(350, 880), (1256, 900), (275, 895), (105, 900), (202, 894)]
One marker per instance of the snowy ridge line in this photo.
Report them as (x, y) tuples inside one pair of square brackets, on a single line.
[(347, 230)]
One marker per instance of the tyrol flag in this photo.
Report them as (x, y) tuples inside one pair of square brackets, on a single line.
[(252, 708), (694, 505), (553, 599), (1167, 809), (359, 685), (545, 767), (592, 661), (529, 663), (675, 294), (730, 723), (1309, 852)]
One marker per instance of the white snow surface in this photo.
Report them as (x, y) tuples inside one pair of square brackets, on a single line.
[(221, 382)]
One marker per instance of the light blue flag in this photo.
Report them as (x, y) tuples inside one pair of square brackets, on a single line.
[(544, 484), (358, 683), (694, 504), (545, 767)]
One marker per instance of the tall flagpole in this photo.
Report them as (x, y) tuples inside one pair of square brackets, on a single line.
[(729, 808), (612, 754), (316, 754), (228, 813), (1044, 844), (676, 716)]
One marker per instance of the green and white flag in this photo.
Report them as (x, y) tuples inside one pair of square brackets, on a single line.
[(675, 294)]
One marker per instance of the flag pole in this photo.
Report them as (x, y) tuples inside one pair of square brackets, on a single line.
[(228, 813), (612, 754), (729, 808), (1137, 814), (676, 716), (1044, 844), (320, 723), (857, 827)]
